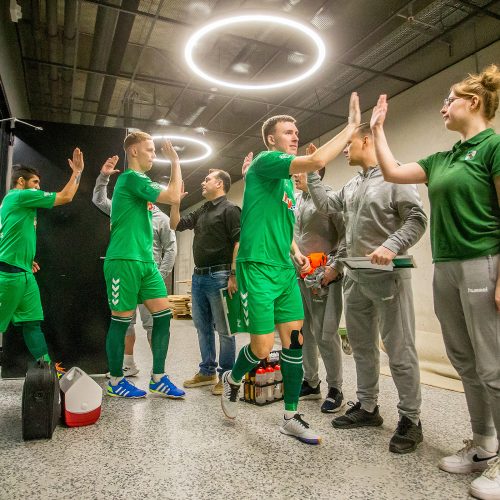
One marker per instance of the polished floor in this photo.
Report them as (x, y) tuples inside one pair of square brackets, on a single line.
[(164, 449)]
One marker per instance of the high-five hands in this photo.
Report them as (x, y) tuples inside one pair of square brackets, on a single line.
[(246, 164), (108, 168), (77, 163), (168, 150), (379, 112)]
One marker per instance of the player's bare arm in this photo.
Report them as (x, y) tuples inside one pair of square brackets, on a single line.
[(68, 192)]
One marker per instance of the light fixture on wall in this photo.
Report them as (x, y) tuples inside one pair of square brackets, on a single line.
[(255, 18), (207, 150)]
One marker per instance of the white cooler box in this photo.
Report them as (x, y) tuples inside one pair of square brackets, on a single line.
[(82, 398)]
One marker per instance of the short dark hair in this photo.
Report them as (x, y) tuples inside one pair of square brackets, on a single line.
[(364, 130), (22, 171), (223, 176), (269, 125)]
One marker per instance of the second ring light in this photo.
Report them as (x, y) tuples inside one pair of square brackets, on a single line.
[(261, 18), (185, 138)]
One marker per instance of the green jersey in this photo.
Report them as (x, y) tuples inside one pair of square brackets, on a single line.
[(18, 225), (268, 214), (131, 217), (465, 218)]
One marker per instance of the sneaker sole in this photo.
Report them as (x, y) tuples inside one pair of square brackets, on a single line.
[(163, 395), (357, 424), (125, 397), (232, 417), (199, 384), (465, 469), (393, 449), (310, 397), (483, 495), (335, 410), (217, 393), (302, 440)]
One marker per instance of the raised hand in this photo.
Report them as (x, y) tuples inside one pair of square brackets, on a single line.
[(168, 150), (77, 163), (246, 163), (310, 149), (183, 193), (109, 166), (379, 112), (354, 110)]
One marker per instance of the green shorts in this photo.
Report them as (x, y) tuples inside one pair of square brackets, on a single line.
[(269, 295), (19, 299), (131, 282)]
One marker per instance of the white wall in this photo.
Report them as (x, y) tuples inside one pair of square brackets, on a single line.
[(414, 129)]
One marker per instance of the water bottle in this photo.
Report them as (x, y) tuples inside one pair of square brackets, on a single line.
[(278, 382), (270, 381), (260, 380)]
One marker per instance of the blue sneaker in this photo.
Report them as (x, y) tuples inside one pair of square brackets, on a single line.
[(166, 388), (125, 389)]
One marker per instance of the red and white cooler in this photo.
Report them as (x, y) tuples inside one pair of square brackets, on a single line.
[(82, 398)]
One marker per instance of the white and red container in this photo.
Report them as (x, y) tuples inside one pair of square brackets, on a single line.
[(82, 398)]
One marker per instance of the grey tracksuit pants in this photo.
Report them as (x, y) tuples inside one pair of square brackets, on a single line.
[(383, 303), (321, 323), (464, 301)]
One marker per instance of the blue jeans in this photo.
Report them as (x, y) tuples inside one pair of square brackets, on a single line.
[(207, 314)]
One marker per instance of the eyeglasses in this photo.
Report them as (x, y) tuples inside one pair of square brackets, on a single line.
[(448, 100)]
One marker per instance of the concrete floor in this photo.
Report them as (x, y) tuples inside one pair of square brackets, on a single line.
[(164, 449)]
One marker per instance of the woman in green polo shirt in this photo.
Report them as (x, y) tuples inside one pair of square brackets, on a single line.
[(464, 192)]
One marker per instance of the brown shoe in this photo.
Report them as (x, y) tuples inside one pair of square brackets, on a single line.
[(199, 380), (218, 388)]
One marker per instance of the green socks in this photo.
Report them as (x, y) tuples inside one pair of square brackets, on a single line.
[(35, 340), (160, 337), (115, 344), (246, 361), (293, 373)]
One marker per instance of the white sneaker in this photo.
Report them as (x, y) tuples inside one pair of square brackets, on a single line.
[(128, 371), (298, 428), (229, 398), (469, 459), (487, 485)]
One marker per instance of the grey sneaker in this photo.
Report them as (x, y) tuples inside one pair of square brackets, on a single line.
[(357, 417), (229, 398), (298, 428)]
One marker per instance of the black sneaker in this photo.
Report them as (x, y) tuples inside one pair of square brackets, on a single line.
[(357, 417), (333, 402), (308, 392), (407, 436)]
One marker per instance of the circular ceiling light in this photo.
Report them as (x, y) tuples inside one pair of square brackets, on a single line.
[(185, 138), (261, 18)]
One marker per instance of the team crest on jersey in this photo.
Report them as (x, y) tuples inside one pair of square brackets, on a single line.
[(470, 155), (150, 206), (288, 201)]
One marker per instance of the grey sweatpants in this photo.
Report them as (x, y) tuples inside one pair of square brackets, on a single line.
[(383, 302), (321, 323), (464, 301), (147, 321)]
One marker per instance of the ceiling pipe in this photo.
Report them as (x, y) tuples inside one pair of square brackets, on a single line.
[(118, 47), (101, 48), (52, 32), (69, 38)]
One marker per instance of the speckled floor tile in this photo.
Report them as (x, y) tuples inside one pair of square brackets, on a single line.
[(163, 449)]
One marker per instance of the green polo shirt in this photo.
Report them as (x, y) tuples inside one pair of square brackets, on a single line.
[(465, 217)]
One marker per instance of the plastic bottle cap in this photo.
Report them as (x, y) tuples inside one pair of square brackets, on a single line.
[(260, 371), (270, 369), (277, 368)]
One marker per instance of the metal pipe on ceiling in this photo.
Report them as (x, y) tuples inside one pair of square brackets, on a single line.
[(69, 38), (52, 33)]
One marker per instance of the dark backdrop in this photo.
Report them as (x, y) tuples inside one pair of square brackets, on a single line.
[(71, 241)]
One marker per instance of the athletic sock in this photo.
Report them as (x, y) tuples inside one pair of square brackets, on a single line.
[(487, 443), (128, 360), (289, 414), (160, 338), (35, 340), (157, 377), (293, 373), (246, 361), (115, 344), (115, 380)]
